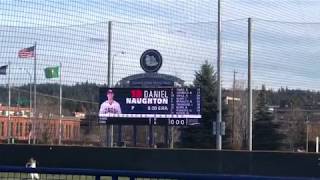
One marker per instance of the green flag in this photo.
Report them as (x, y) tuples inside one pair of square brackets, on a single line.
[(52, 72)]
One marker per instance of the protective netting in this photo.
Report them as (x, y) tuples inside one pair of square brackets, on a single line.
[(285, 48)]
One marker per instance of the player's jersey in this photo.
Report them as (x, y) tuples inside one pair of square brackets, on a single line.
[(113, 108)]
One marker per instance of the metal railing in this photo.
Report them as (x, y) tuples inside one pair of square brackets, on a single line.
[(22, 173)]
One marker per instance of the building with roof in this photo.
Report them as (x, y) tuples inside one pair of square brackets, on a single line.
[(46, 130)]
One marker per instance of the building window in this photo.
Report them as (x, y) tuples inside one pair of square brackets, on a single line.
[(21, 129), (11, 129), (54, 130), (74, 131), (62, 131), (67, 131), (17, 129), (70, 132), (30, 127), (1, 128), (51, 129), (26, 129)]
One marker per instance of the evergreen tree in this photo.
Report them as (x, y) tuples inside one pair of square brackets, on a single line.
[(201, 136), (265, 130)]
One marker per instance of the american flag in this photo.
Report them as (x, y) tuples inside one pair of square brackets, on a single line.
[(26, 52)]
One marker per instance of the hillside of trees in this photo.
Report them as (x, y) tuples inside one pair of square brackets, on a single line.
[(82, 97), (85, 96)]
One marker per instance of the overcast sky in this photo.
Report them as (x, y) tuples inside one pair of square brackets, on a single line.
[(75, 32)]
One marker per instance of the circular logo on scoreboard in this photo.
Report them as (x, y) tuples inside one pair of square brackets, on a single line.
[(151, 60)]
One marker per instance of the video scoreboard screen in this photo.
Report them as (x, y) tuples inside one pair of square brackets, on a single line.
[(169, 103)]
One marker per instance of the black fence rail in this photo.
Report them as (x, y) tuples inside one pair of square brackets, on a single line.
[(22, 173), (274, 164)]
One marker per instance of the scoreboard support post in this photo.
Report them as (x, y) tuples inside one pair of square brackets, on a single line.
[(151, 140), (107, 139), (171, 137), (134, 135), (166, 136), (119, 143)]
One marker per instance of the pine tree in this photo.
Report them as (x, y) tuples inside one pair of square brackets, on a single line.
[(265, 131), (201, 136)]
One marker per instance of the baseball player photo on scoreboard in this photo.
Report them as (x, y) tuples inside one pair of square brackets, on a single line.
[(110, 105)]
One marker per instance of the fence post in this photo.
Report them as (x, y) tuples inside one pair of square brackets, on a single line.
[(97, 177), (317, 144), (250, 116), (114, 177), (109, 133)]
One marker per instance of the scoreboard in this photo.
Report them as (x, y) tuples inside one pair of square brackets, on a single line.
[(168, 103)]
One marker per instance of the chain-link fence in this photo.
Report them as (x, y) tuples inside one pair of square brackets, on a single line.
[(284, 60)]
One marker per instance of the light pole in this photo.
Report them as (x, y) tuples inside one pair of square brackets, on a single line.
[(112, 85), (112, 70), (30, 103)]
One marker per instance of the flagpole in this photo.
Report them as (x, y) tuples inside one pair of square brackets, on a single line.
[(60, 110), (34, 93), (30, 105), (9, 105)]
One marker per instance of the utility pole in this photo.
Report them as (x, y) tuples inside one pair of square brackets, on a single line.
[(233, 103), (249, 85)]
